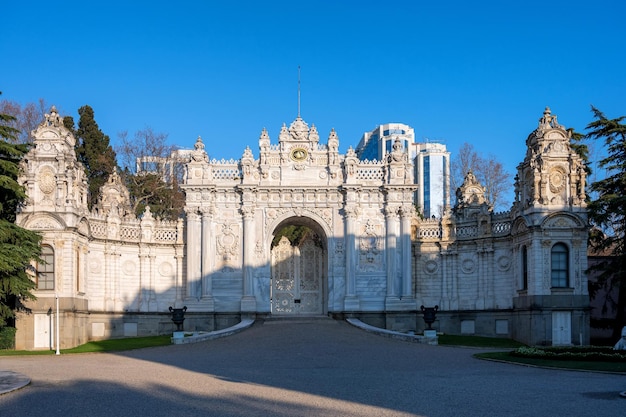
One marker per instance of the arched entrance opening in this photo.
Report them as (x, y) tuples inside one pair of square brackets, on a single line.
[(299, 262)]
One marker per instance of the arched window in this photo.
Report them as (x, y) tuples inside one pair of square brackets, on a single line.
[(524, 268), (560, 266), (45, 269)]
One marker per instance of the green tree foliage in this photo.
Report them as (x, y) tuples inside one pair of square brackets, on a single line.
[(156, 183), (94, 151), (607, 212), (296, 235), (18, 246)]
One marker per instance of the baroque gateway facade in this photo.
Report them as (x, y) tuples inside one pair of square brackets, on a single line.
[(366, 253)]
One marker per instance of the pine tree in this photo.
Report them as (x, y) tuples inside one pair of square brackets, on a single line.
[(18, 246), (607, 212), (94, 151)]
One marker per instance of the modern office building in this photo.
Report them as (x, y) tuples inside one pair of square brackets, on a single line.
[(376, 144), (431, 164), (432, 175)]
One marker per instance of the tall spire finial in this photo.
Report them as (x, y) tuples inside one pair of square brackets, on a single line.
[(298, 90)]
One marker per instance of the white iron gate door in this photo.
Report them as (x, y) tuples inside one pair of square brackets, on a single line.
[(297, 278)]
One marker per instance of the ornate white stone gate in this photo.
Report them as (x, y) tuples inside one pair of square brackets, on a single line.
[(234, 209)]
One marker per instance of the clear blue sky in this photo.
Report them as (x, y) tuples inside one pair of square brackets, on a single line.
[(456, 71)]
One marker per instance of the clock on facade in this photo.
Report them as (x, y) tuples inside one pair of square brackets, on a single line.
[(299, 154)]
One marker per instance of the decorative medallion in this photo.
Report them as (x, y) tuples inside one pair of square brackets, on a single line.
[(47, 182), (128, 267), (504, 263), (166, 269), (94, 266), (431, 267), (468, 266)]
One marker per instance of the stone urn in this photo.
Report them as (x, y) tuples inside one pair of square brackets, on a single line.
[(178, 317), (430, 315)]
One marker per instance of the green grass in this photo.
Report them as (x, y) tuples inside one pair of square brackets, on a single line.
[(111, 345), (478, 341), (562, 364)]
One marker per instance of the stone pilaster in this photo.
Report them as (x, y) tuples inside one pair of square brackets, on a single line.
[(207, 258), (194, 237), (351, 301), (248, 301)]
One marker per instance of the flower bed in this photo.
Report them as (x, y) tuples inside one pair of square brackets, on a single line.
[(572, 353)]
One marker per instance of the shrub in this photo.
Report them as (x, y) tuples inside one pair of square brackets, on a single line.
[(572, 353), (7, 338)]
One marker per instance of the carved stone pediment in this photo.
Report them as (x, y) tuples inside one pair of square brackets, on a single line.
[(561, 222), (114, 197), (44, 222)]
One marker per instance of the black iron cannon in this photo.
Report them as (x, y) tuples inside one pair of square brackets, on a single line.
[(178, 317)]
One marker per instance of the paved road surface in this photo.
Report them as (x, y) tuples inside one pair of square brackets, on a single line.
[(303, 368)]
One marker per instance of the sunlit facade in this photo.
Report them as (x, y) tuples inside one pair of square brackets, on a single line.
[(369, 254)]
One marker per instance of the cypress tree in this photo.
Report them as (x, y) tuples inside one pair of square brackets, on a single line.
[(94, 151)]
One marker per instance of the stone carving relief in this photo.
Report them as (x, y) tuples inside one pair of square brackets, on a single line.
[(431, 267), (468, 265), (47, 182), (560, 222), (45, 223), (557, 179), (371, 247), (128, 267), (228, 242), (166, 269), (503, 263), (299, 130)]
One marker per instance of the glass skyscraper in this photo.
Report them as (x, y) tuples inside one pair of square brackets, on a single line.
[(431, 163)]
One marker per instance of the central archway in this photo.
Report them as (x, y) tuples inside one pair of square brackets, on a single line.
[(299, 262)]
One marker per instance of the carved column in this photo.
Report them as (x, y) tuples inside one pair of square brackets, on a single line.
[(453, 269), (207, 254), (351, 301), (391, 217), (178, 302), (405, 238), (193, 254), (142, 302), (248, 302), (350, 250), (444, 303), (180, 255)]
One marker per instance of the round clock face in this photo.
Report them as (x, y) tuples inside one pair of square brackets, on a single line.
[(299, 154)]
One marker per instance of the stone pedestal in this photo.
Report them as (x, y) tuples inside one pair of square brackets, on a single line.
[(430, 333)]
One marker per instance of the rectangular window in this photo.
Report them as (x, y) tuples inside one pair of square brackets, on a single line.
[(45, 269), (559, 265)]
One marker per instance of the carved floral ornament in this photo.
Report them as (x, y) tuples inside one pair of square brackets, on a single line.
[(228, 242), (299, 130), (557, 180)]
